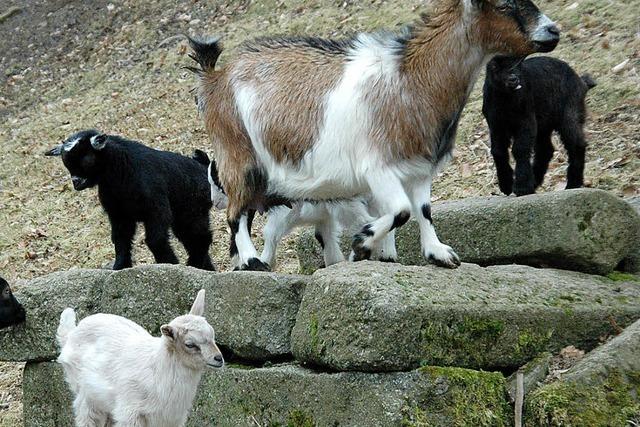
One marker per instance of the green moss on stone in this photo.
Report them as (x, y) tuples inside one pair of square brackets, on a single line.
[(313, 332), (470, 398), (531, 343), (298, 418), (466, 341), (611, 403), (618, 276)]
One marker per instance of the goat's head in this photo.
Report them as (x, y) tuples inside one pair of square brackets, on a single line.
[(81, 156), (11, 311), (512, 27), (505, 72), (192, 339), (218, 196)]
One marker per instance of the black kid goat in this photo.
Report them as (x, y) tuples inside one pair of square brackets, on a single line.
[(524, 102), (140, 184), (11, 311)]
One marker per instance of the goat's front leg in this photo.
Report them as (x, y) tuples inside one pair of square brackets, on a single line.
[(432, 249), (395, 209), (243, 254), (500, 153), (522, 148), (122, 232), (130, 420)]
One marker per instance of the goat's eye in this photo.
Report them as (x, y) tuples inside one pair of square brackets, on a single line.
[(504, 6), (192, 346)]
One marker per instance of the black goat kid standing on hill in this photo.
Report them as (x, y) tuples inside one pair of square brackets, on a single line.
[(524, 102), (140, 184)]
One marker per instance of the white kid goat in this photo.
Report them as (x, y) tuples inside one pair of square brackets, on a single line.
[(122, 376)]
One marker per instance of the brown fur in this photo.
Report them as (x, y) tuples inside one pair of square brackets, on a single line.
[(232, 146), (292, 110)]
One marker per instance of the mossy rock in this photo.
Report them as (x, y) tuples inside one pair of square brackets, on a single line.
[(252, 313), (292, 396), (376, 317), (600, 390), (585, 230)]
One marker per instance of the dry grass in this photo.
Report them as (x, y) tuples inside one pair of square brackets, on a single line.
[(121, 71)]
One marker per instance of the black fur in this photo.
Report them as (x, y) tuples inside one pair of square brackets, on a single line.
[(11, 311), (551, 98), (426, 212), (400, 220), (327, 46), (139, 184), (205, 53)]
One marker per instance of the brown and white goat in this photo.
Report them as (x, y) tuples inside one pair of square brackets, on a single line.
[(312, 119)]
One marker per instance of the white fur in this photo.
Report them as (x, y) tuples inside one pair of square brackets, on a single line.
[(331, 220), (68, 146), (218, 198), (540, 34), (246, 250), (122, 376)]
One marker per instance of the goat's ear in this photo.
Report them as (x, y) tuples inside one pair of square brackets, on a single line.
[(197, 309), (98, 142), (55, 151), (168, 332)]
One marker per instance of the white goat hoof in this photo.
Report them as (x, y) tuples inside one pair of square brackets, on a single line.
[(442, 256)]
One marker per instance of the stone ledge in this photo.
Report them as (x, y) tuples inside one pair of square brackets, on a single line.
[(290, 395), (584, 230), (374, 317), (252, 313)]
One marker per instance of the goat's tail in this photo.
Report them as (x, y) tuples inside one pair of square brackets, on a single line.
[(589, 81), (67, 324), (201, 157), (205, 53)]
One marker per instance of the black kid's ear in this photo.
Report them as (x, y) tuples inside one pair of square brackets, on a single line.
[(55, 151), (98, 142)]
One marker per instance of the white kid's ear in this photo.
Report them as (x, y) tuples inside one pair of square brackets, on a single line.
[(98, 142), (168, 332), (197, 309)]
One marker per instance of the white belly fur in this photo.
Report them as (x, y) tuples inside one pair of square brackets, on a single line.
[(342, 156)]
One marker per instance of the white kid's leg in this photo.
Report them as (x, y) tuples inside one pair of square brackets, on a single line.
[(395, 209), (432, 249), (280, 221), (328, 235)]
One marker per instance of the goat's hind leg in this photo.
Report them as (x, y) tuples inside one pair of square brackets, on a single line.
[(433, 250), (243, 254), (195, 234), (574, 141), (395, 209)]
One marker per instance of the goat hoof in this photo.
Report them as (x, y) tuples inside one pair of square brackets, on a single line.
[(444, 257), (391, 260), (254, 264)]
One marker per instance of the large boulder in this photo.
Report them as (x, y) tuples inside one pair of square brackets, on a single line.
[(372, 316), (601, 389), (252, 313), (294, 396), (583, 230)]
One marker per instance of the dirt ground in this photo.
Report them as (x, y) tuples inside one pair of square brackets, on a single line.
[(119, 65)]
